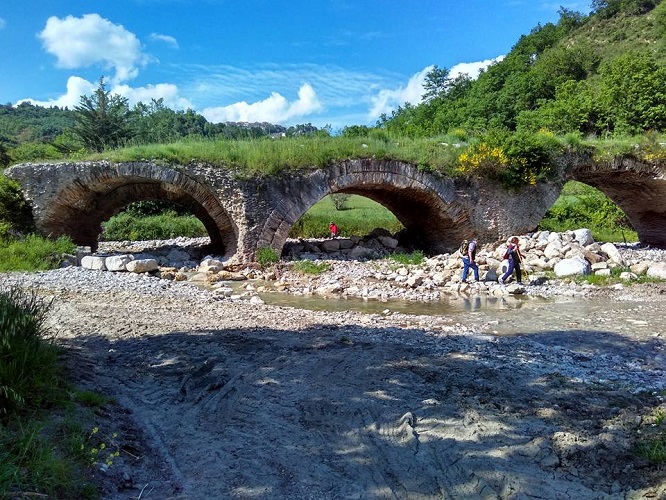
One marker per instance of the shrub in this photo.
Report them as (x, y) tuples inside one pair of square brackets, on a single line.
[(33, 253), (15, 213), (128, 226), (28, 363), (266, 256)]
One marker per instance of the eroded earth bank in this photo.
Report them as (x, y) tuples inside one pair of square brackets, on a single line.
[(224, 399)]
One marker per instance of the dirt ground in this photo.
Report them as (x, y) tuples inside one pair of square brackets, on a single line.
[(215, 399)]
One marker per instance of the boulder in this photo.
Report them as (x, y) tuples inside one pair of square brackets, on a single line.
[(583, 236), (388, 242), (330, 245), (118, 262), (571, 267), (657, 270), (640, 268), (613, 253), (142, 265), (93, 262)]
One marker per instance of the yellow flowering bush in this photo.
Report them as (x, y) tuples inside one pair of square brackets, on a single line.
[(482, 159)]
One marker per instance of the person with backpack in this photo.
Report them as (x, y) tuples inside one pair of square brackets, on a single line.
[(468, 254), (514, 257)]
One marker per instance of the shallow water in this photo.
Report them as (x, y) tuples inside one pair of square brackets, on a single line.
[(507, 315)]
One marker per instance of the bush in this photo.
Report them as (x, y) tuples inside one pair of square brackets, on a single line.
[(128, 226), (266, 256), (15, 213), (28, 364), (33, 253)]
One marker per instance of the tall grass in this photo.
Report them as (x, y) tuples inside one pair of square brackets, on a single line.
[(266, 156), (28, 363), (34, 461), (126, 226), (33, 253), (359, 217)]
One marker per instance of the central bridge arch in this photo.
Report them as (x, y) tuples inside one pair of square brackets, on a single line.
[(429, 208)]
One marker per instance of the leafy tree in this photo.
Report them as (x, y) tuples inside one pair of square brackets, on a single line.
[(102, 120), (633, 93)]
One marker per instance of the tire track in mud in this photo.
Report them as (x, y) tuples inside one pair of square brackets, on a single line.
[(241, 402)]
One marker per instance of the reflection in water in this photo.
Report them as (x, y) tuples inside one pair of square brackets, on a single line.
[(448, 305), (503, 315)]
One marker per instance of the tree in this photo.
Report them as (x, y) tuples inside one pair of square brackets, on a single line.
[(102, 120)]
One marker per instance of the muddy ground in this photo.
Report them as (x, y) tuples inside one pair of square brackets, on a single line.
[(217, 399)]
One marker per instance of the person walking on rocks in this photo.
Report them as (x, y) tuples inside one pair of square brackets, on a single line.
[(514, 257), (468, 258), (333, 228)]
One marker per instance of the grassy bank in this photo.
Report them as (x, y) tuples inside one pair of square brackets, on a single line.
[(45, 442), (357, 215), (33, 253)]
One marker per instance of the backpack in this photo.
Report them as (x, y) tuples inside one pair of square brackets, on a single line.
[(464, 247)]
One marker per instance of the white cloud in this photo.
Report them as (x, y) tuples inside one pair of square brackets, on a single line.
[(76, 87), (386, 100), (166, 91), (169, 40), (90, 40), (3, 23), (472, 69), (274, 109)]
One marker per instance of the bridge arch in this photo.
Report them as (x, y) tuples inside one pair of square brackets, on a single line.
[(81, 205), (636, 187), (428, 207)]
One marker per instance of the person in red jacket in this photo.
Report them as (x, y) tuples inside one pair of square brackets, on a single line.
[(334, 229)]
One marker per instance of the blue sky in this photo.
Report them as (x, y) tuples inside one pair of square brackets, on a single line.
[(325, 62)]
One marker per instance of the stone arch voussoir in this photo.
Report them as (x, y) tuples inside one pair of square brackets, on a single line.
[(428, 206), (96, 193)]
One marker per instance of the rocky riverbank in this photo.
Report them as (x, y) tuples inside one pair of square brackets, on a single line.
[(221, 397), (364, 267)]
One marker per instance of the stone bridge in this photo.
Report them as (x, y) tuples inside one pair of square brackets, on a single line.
[(242, 215)]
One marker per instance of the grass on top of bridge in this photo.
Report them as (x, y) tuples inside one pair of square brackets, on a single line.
[(267, 156)]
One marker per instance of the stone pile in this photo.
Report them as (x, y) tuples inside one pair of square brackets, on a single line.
[(358, 267)]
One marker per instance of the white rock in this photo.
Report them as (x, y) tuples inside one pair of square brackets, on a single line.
[(613, 253), (570, 267), (142, 266), (657, 270), (118, 262), (627, 276), (603, 272), (93, 262), (553, 250), (583, 236)]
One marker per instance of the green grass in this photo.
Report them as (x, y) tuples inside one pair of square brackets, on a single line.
[(415, 257), (44, 449), (125, 226), (309, 267), (266, 156), (33, 253), (580, 206), (359, 217)]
